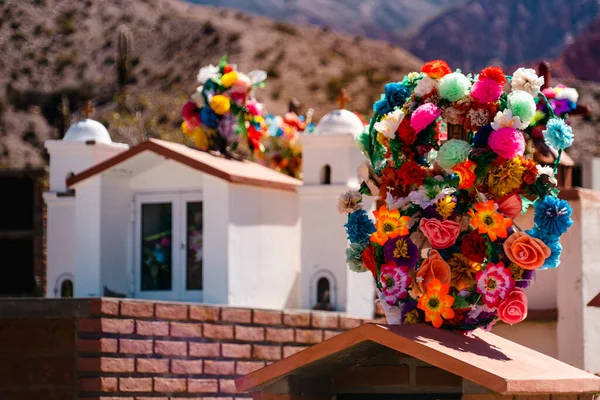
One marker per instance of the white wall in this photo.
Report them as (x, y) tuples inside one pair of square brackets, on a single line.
[(539, 336), (169, 176), (339, 151), (264, 240)]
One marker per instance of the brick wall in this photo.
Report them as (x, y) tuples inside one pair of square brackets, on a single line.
[(130, 349)]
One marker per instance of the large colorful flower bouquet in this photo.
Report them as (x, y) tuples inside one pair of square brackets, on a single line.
[(223, 113), (447, 158)]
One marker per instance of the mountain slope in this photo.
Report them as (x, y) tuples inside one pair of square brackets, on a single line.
[(582, 57)]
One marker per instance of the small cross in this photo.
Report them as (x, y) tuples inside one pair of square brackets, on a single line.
[(88, 109), (343, 99)]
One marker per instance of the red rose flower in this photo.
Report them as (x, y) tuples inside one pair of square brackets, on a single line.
[(436, 69), (406, 132), (494, 73), (368, 259), (513, 309), (411, 173), (474, 247)]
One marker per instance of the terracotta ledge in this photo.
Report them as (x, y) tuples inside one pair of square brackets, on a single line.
[(580, 194), (595, 302)]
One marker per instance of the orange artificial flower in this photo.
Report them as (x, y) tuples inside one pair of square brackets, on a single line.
[(389, 225), (485, 219), (436, 69), (432, 268), (466, 173), (526, 251), (530, 173), (494, 73), (437, 303)]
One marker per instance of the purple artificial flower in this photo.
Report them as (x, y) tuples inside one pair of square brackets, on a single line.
[(227, 127), (402, 251), (526, 280)]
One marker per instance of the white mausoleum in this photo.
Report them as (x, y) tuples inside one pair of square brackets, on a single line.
[(164, 221)]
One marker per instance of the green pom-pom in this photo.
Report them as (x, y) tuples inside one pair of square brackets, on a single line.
[(354, 257), (454, 86), (453, 152), (521, 104)]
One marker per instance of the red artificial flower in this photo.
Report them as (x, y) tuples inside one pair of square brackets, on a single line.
[(436, 69), (411, 173), (368, 259), (254, 135), (190, 113), (474, 247), (530, 173), (466, 173), (406, 132), (228, 68), (494, 73)]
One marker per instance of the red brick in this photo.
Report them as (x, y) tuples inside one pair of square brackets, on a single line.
[(245, 367), (103, 384), (133, 346), (227, 386), (169, 385), (167, 348), (264, 317), (432, 376), (309, 336), (105, 364), (280, 335), (204, 349), (218, 331), (349, 323), (152, 365), (325, 320), (102, 345), (104, 307), (236, 350), (188, 367), (106, 325), (135, 384), (250, 333), (65, 394), (266, 352), (179, 329), (219, 367), (171, 311), (11, 372), (296, 318), (241, 315), (145, 398), (291, 350), (26, 394), (150, 328), (52, 371), (204, 313), (203, 386), (330, 334), (137, 309)]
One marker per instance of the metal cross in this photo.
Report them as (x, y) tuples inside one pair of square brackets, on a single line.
[(343, 99)]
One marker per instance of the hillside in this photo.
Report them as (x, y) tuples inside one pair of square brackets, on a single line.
[(582, 56), (66, 48)]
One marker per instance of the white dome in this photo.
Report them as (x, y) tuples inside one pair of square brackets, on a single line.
[(88, 129), (339, 122)]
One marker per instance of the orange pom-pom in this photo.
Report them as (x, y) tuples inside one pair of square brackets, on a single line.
[(436, 69), (494, 73)]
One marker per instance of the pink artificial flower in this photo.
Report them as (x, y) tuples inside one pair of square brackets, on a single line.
[(424, 116), (550, 93), (486, 90), (507, 143), (394, 282), (254, 107), (511, 205), (513, 309), (441, 234), (494, 283), (190, 113)]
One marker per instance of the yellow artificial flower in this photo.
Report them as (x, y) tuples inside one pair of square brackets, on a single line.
[(411, 317), (229, 79), (506, 177), (445, 206), (220, 104)]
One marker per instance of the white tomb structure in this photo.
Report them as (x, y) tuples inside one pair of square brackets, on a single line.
[(164, 221)]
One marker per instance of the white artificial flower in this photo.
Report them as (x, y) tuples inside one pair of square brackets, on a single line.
[(207, 73), (425, 197), (526, 79), (389, 123), (364, 170), (349, 202), (426, 86), (549, 171), (506, 119), (394, 203), (197, 97), (570, 94)]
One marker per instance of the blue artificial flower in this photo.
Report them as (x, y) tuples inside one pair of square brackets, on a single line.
[(482, 136), (396, 95), (558, 134), (159, 255), (553, 243), (359, 227), (553, 215), (208, 117)]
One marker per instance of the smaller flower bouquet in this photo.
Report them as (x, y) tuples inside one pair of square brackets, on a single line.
[(562, 100), (448, 161), (223, 114)]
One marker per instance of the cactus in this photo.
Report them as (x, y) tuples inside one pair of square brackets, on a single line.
[(64, 116), (124, 56)]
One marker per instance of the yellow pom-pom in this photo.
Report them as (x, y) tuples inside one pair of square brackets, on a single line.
[(220, 104), (229, 79), (200, 138), (186, 129)]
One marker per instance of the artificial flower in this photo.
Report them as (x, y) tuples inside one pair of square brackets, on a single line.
[(511, 205), (226, 127), (494, 73), (411, 173), (522, 105), (254, 107), (369, 177), (389, 225), (453, 152), (553, 215), (466, 174), (220, 104), (437, 303), (420, 240), (445, 207), (477, 118), (463, 271), (525, 79), (388, 125), (454, 86), (436, 69), (394, 282), (424, 116), (553, 243), (547, 171), (506, 119), (425, 86), (242, 85), (208, 118), (207, 73), (486, 90), (406, 133), (494, 283), (369, 260), (441, 234), (453, 115), (530, 170), (558, 134), (486, 220), (506, 177), (190, 113), (427, 195), (411, 317), (513, 309), (394, 203), (354, 253), (228, 79), (474, 247), (507, 142), (396, 95), (432, 267), (402, 251), (349, 202), (526, 251)]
